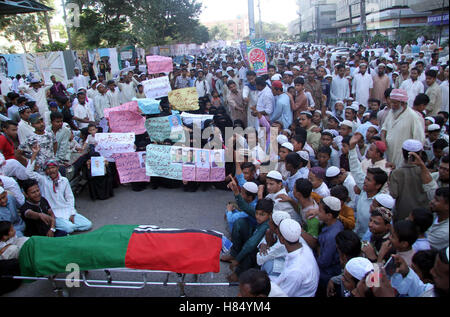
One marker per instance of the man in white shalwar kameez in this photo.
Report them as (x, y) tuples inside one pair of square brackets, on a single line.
[(362, 86), (401, 124), (38, 92)]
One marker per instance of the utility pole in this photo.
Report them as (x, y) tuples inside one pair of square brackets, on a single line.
[(260, 20), (317, 23), (363, 19), (442, 23), (67, 27), (350, 18), (251, 18)]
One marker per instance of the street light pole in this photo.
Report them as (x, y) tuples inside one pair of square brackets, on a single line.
[(260, 20), (251, 18), (67, 27)]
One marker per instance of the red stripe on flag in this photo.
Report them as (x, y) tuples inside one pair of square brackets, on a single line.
[(185, 252)]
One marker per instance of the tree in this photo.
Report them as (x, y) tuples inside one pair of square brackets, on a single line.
[(25, 29), (219, 32), (146, 22), (28, 29), (157, 22), (54, 47), (104, 23), (273, 31)]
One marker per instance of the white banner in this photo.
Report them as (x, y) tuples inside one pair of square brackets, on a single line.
[(157, 87)]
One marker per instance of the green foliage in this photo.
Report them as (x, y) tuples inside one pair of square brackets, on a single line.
[(379, 38), (272, 31), (111, 23), (54, 47), (25, 29), (404, 36), (219, 32)]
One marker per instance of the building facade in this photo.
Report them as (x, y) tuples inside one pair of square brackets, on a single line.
[(239, 27), (317, 18), (385, 17)]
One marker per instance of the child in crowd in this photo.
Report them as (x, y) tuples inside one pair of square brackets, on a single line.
[(10, 244), (37, 214), (316, 177), (423, 219), (246, 239), (323, 157), (346, 215), (216, 101), (244, 207), (379, 249), (90, 142), (285, 149), (404, 235)]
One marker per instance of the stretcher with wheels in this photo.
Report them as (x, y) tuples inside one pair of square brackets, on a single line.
[(115, 250)]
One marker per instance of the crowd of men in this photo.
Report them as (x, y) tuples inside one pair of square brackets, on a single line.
[(360, 185)]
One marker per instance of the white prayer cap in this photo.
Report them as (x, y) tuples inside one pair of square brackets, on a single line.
[(275, 175), (304, 155), (276, 77), (76, 67), (359, 267), (288, 131), (93, 81), (434, 127), (332, 171), (35, 81), (307, 113), (333, 133), (282, 139), (333, 203), (355, 106), (2, 190), (296, 67), (229, 69), (362, 64), (290, 230), (289, 73), (279, 216), (431, 119), (328, 76), (385, 200), (413, 146), (350, 98), (390, 66), (434, 68), (288, 146), (301, 60), (318, 111), (366, 114), (347, 123), (329, 113), (251, 187), (381, 65), (396, 73)]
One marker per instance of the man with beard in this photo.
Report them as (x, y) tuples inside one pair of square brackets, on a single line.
[(401, 124), (380, 84)]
